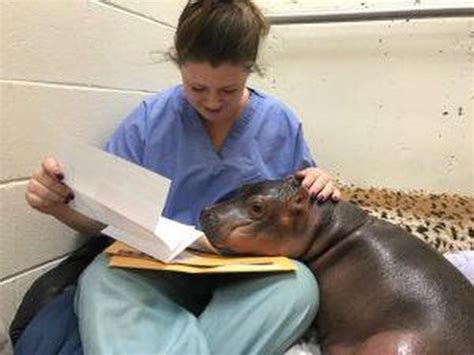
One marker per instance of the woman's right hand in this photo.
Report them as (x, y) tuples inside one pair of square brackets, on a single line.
[(46, 192)]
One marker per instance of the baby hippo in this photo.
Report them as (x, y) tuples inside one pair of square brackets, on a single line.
[(382, 290)]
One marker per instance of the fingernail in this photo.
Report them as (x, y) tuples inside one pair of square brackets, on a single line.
[(60, 176), (69, 198)]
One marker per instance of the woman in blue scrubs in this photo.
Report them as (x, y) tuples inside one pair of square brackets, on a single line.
[(209, 135)]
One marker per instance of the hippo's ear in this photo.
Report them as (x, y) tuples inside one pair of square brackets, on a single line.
[(299, 201), (293, 181)]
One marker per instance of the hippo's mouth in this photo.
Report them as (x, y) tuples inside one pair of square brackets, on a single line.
[(214, 229)]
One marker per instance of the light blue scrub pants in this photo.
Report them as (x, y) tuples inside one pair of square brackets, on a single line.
[(144, 312)]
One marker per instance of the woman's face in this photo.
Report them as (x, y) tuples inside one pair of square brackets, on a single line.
[(217, 93)]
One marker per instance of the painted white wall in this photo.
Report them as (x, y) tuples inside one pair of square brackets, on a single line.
[(385, 104)]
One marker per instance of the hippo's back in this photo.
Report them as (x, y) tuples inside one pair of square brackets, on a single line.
[(381, 278)]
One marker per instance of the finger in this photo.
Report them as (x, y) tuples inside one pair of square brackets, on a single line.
[(308, 176), (326, 191), (51, 183), (309, 180), (319, 185), (48, 197), (35, 201), (38, 202), (336, 195), (300, 174), (52, 168)]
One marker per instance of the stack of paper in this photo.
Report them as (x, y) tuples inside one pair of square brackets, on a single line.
[(121, 255), (125, 197)]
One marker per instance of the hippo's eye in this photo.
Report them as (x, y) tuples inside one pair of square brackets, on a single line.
[(256, 209)]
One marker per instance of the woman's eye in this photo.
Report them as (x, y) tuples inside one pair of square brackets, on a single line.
[(197, 89), (229, 92)]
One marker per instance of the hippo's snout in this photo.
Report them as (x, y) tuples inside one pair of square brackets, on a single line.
[(209, 220)]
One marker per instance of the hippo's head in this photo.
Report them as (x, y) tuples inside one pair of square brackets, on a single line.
[(264, 218)]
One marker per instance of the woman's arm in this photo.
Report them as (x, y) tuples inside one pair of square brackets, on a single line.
[(78, 221)]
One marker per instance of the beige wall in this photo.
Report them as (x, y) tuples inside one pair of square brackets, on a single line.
[(385, 104)]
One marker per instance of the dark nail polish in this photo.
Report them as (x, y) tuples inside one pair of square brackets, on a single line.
[(60, 176), (69, 198)]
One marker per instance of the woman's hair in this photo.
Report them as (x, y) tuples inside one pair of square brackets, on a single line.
[(218, 31)]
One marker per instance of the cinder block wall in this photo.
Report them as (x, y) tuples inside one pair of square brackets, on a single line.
[(383, 104), (70, 68)]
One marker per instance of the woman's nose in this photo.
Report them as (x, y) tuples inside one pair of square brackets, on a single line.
[(213, 101)]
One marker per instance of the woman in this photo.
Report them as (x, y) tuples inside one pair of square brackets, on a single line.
[(209, 135)]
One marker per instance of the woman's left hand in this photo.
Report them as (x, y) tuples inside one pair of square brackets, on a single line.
[(318, 183)]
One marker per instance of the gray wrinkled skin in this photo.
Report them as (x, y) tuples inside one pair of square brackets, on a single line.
[(382, 290)]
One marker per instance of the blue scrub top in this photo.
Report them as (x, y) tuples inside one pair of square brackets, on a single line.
[(164, 134)]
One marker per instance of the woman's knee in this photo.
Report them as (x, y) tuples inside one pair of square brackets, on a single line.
[(295, 295), (301, 292), (94, 273)]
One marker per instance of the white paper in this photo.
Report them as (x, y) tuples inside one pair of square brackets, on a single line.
[(126, 197), (176, 235)]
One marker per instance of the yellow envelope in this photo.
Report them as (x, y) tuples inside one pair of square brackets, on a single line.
[(121, 255)]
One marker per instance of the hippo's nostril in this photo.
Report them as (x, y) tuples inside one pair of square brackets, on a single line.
[(208, 219)]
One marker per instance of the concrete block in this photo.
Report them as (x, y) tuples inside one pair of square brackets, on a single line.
[(43, 114), (84, 43), (126, 51), (164, 11), (29, 238)]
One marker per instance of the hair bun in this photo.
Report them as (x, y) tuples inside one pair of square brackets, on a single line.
[(194, 2)]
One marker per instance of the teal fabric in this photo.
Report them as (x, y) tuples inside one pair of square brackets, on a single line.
[(141, 312)]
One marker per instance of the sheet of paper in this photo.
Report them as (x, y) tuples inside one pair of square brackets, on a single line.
[(173, 238), (176, 235), (127, 189), (126, 197)]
